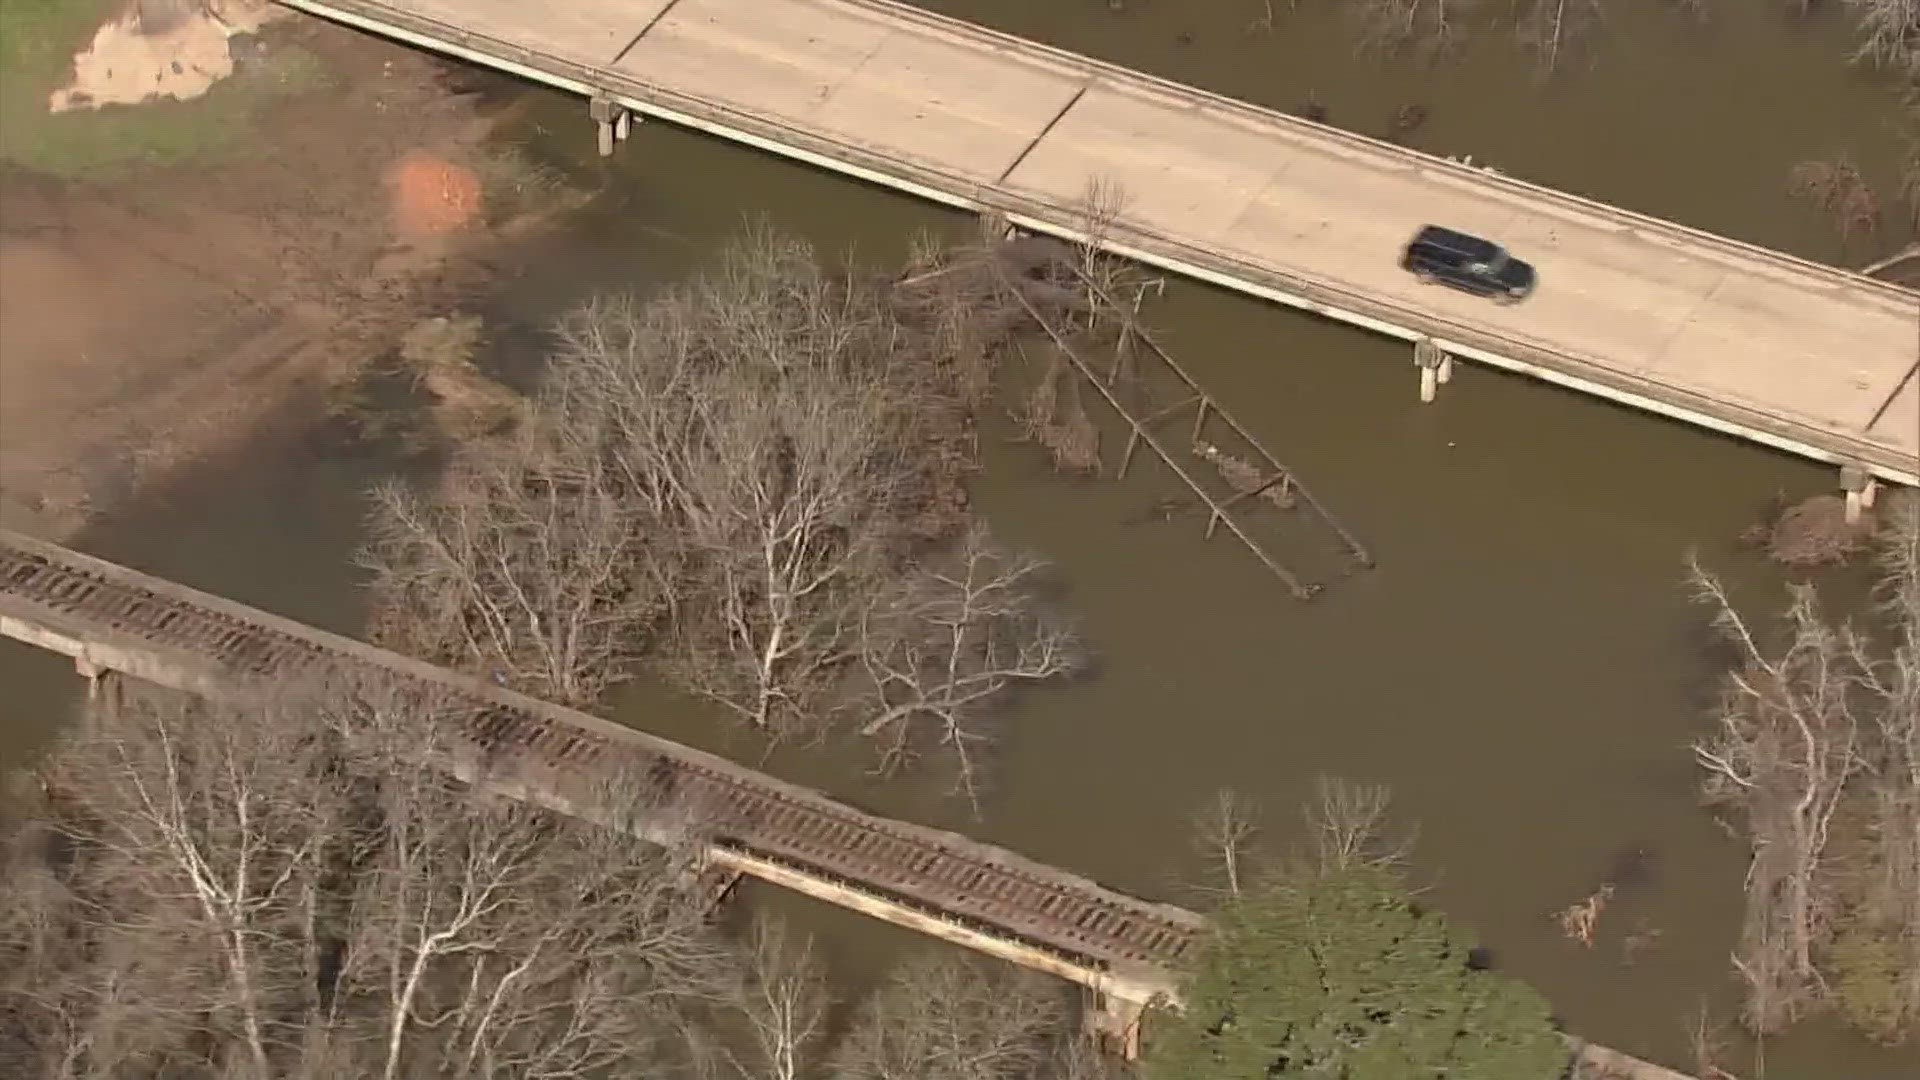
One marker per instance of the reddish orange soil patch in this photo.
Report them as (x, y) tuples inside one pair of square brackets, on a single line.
[(432, 196)]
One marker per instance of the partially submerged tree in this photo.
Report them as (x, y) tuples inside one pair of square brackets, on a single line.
[(1787, 742), (1556, 31), (942, 1017), (946, 641), (528, 563), (750, 482), (1877, 944), (774, 1023), (1889, 33), (1425, 27), (1837, 189), (1816, 749), (1910, 163)]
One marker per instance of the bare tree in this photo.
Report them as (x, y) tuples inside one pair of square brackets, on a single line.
[(1079, 1059), (1555, 30), (472, 944), (760, 417), (1425, 27), (1787, 740), (1889, 33), (948, 1018), (296, 889), (163, 889), (1877, 951), (743, 482), (948, 640), (528, 565), (774, 1024), (1349, 822), (1223, 833), (782, 521), (1709, 1041), (1840, 192), (1816, 748), (1910, 163)]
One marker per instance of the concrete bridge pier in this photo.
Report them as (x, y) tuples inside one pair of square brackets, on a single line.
[(1113, 1023), (1436, 368), (612, 122), (1861, 488), (104, 691)]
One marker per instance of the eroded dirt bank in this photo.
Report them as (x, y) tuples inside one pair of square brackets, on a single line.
[(150, 317)]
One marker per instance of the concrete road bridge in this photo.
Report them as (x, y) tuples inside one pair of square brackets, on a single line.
[(1803, 357), (115, 621)]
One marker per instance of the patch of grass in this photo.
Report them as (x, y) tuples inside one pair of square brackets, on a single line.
[(38, 40)]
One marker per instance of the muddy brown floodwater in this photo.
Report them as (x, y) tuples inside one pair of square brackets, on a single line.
[(1523, 668)]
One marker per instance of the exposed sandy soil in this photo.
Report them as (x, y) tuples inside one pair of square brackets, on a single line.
[(153, 318), (160, 48)]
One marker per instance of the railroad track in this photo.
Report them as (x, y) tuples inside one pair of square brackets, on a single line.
[(985, 889)]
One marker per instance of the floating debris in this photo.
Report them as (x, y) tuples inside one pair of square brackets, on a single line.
[(1244, 477)]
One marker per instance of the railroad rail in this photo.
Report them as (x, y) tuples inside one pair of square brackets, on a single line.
[(1128, 951)]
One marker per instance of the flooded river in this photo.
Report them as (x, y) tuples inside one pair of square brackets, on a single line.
[(1523, 668)]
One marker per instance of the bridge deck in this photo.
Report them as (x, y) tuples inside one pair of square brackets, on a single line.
[(169, 634), (1800, 356)]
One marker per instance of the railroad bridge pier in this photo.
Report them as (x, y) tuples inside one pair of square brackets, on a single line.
[(1114, 1023)]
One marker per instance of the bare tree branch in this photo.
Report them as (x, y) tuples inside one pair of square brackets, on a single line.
[(1889, 33), (949, 640), (946, 1018)]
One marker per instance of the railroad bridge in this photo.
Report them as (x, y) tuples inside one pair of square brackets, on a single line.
[(1127, 951), (111, 619)]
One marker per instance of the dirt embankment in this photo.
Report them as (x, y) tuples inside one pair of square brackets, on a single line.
[(151, 317)]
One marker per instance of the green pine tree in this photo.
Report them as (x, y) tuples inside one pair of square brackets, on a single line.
[(1340, 976)]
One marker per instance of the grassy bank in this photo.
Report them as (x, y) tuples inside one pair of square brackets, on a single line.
[(38, 40)]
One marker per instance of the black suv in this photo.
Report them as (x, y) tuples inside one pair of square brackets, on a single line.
[(1478, 266)]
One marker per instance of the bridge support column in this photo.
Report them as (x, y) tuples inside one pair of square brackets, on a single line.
[(103, 685), (1861, 488), (1114, 1023), (708, 887), (1436, 367), (612, 123)]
